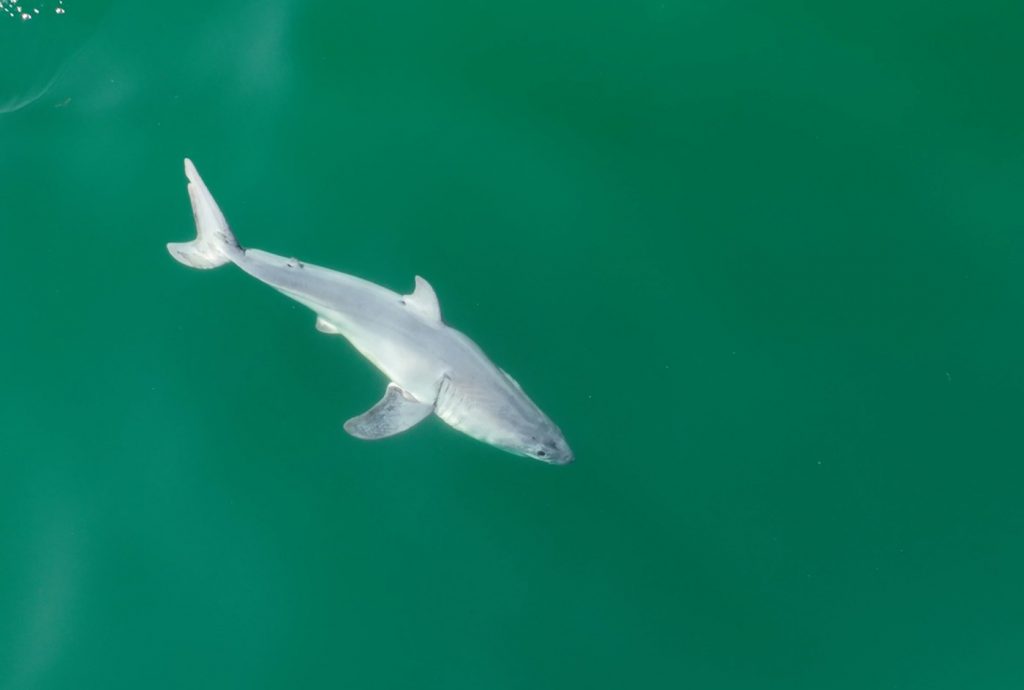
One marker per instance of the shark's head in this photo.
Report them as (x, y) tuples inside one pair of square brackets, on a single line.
[(502, 415), (536, 438), (531, 433)]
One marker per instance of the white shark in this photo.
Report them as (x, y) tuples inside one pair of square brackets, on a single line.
[(431, 367)]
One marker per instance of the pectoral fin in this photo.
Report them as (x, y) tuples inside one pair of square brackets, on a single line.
[(396, 412)]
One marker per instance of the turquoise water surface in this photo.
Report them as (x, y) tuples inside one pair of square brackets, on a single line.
[(763, 264)]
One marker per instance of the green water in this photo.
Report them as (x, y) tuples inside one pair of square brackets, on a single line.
[(762, 262)]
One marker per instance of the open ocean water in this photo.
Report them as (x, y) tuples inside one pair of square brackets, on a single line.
[(763, 264)]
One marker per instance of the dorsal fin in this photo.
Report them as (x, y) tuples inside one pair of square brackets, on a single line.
[(424, 300)]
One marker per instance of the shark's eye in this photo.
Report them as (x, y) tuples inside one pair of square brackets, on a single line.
[(542, 454)]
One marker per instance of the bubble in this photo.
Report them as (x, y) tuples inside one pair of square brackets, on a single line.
[(29, 10)]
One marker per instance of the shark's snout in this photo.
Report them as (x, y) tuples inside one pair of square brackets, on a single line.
[(555, 451), (563, 459)]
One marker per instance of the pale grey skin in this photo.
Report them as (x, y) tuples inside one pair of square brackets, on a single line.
[(431, 367)]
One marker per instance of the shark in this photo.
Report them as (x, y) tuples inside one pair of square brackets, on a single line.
[(431, 368)]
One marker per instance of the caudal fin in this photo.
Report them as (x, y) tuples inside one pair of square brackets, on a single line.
[(214, 244)]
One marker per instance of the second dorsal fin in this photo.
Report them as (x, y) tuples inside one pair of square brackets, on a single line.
[(424, 300)]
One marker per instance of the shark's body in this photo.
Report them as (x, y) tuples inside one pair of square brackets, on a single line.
[(431, 367)]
